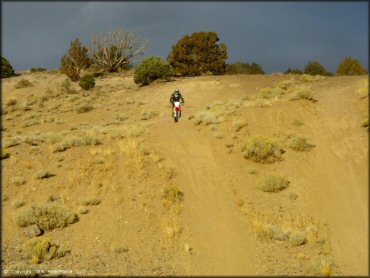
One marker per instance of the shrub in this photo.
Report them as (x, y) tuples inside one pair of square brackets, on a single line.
[(38, 70), (17, 181), (87, 82), (299, 143), (23, 83), (146, 115), (40, 249), (85, 108), (297, 122), (315, 68), (273, 183), (116, 50), (244, 68), (238, 124), (285, 84), (205, 117), (365, 122), (6, 68), (265, 92), (198, 53), (303, 92), (293, 71), (263, 149), (350, 66), (47, 216), (4, 154), (10, 142), (43, 174), (297, 238), (75, 60), (152, 68), (66, 86), (172, 193), (322, 265)]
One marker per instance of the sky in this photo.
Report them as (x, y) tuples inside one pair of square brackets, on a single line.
[(276, 35)]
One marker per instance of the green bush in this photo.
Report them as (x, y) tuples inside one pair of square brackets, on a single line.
[(38, 70), (350, 66), (6, 68), (87, 82), (273, 183), (293, 71), (75, 60), (198, 53), (152, 68), (244, 68), (315, 68), (263, 149)]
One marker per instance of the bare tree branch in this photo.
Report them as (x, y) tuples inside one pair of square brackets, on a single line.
[(113, 50)]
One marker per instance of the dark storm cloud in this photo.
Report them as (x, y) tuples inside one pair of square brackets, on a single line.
[(275, 35)]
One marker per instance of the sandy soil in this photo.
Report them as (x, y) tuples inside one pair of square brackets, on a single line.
[(216, 228)]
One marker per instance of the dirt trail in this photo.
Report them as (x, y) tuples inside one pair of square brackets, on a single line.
[(222, 243), (341, 166)]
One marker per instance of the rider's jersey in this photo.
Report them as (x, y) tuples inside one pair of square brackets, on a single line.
[(176, 97)]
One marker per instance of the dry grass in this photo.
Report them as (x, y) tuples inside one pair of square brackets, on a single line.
[(18, 203), (40, 249), (322, 265), (23, 83), (297, 238), (297, 122), (286, 84), (4, 154), (84, 108), (17, 181), (172, 229), (205, 117), (47, 216), (365, 122), (134, 153), (310, 78), (303, 92), (10, 142), (262, 149), (273, 183), (171, 193), (300, 143), (146, 115)]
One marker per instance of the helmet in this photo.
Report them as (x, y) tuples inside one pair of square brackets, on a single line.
[(177, 90)]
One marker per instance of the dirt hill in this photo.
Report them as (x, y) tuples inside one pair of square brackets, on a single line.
[(262, 175)]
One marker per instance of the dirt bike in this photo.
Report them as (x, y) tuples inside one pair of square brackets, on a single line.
[(177, 111)]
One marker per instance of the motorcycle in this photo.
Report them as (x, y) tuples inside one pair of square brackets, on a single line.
[(177, 111)]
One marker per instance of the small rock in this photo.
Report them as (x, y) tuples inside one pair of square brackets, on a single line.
[(33, 231)]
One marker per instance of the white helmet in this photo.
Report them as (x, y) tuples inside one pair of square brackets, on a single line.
[(177, 90)]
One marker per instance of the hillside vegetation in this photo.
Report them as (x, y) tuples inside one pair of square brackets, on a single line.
[(262, 175)]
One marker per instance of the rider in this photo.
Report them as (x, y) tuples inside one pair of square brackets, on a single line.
[(176, 96)]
